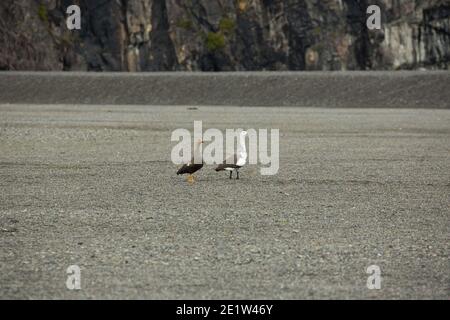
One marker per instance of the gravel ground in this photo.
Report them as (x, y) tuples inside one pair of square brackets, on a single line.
[(94, 186), (344, 89)]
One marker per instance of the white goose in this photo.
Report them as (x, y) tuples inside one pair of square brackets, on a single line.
[(237, 160)]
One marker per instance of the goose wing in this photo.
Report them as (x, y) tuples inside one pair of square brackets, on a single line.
[(230, 162), (190, 167)]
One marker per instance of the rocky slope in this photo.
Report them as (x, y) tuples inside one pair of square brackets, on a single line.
[(209, 35)]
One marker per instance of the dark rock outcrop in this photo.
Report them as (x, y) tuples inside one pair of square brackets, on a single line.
[(222, 35)]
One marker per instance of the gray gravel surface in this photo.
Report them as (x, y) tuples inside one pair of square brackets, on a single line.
[(94, 186), (356, 89)]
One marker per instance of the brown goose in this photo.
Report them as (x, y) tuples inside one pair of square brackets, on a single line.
[(191, 167)]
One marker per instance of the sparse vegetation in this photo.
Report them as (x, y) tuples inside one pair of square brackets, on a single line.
[(317, 31), (67, 39), (215, 41), (227, 25), (185, 24), (42, 13)]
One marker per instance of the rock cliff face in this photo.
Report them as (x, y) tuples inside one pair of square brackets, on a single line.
[(224, 35)]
